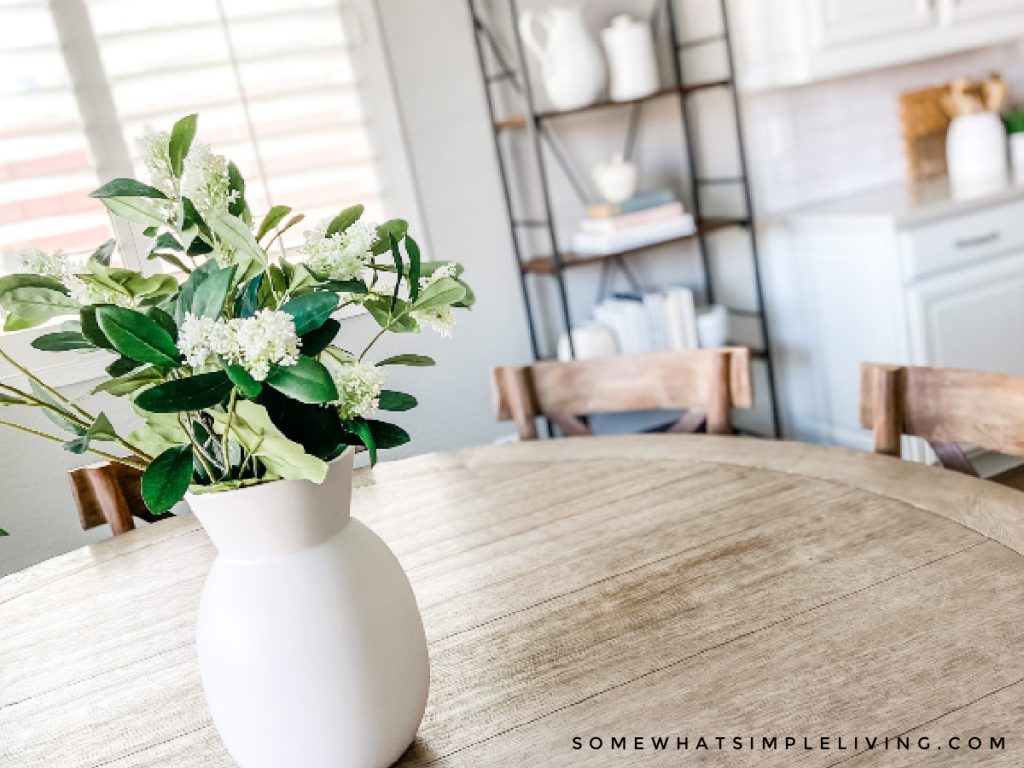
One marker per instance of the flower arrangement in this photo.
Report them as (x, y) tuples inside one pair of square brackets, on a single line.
[(235, 370)]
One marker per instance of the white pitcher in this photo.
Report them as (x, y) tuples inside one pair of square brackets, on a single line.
[(571, 62)]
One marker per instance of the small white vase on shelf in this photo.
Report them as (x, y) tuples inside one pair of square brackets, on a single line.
[(629, 46), (311, 646), (572, 66)]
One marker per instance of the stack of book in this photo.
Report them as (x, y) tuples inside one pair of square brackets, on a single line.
[(651, 322), (646, 219)]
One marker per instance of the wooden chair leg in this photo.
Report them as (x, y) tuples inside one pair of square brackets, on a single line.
[(719, 400), (886, 413), (514, 382), (108, 494)]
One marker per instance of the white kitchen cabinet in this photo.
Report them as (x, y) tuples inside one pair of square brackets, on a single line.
[(840, 22), (903, 276), (792, 42)]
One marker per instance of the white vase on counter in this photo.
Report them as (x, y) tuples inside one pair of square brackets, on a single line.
[(572, 67), (311, 647), (1017, 157), (976, 156), (633, 68)]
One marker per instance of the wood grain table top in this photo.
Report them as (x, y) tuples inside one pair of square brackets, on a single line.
[(586, 600)]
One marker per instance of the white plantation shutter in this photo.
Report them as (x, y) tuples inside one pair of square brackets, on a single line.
[(46, 170), (276, 85)]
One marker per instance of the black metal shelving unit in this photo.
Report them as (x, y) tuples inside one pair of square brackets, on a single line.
[(500, 70)]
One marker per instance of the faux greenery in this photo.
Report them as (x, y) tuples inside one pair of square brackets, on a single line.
[(236, 370), (1014, 119)]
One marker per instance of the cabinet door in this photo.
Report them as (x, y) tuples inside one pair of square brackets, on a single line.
[(838, 22), (966, 10), (971, 318)]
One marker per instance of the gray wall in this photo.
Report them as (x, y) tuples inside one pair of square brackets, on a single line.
[(444, 119)]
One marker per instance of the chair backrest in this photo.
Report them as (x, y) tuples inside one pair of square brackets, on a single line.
[(109, 494), (705, 381), (946, 407)]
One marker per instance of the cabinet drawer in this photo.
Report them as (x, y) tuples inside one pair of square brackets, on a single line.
[(962, 240)]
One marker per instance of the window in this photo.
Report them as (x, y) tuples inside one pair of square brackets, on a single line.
[(296, 93)]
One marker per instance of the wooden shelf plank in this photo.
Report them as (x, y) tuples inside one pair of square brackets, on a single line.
[(545, 265), (519, 121)]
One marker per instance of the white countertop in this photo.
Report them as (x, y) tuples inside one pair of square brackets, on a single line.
[(907, 205)]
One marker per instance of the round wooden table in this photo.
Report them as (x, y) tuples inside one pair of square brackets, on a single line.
[(586, 601)]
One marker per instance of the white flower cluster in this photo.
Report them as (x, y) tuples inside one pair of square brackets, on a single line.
[(58, 266), (343, 255), (255, 343), (439, 319), (359, 386), (204, 179)]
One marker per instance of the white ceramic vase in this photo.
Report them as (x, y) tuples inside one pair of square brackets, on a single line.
[(572, 66), (311, 646), (976, 155)]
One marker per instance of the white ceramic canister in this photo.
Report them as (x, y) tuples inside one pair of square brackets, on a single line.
[(976, 156), (629, 47)]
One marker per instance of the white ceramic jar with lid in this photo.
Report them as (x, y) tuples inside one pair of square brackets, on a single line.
[(629, 48)]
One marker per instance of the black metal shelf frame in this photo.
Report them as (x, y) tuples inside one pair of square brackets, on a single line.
[(556, 261)]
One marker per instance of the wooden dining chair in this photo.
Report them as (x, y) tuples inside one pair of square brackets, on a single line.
[(947, 407), (110, 494), (705, 382)]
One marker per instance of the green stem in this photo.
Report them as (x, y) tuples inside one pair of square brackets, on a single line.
[(46, 387), (198, 449), (227, 431), (52, 438)]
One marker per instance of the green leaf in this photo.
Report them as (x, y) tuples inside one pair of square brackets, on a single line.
[(317, 429), (128, 282), (236, 183), (164, 320), (135, 209), (412, 248), (91, 328), (160, 432), (443, 293), (62, 341), (253, 428), (387, 435), (167, 478), (136, 336), (9, 400), (397, 321), (362, 429), (315, 342), (3, 533), (390, 400), (344, 220), (242, 379), (182, 134), (166, 242), (101, 430), (310, 310), (55, 412), (102, 254), (274, 217), (308, 381), (188, 289), (418, 361), (127, 188), (194, 393), (37, 305), (346, 286), (247, 301), (10, 282), (212, 293), (233, 231), (399, 272), (395, 228), (126, 384), (122, 367)]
